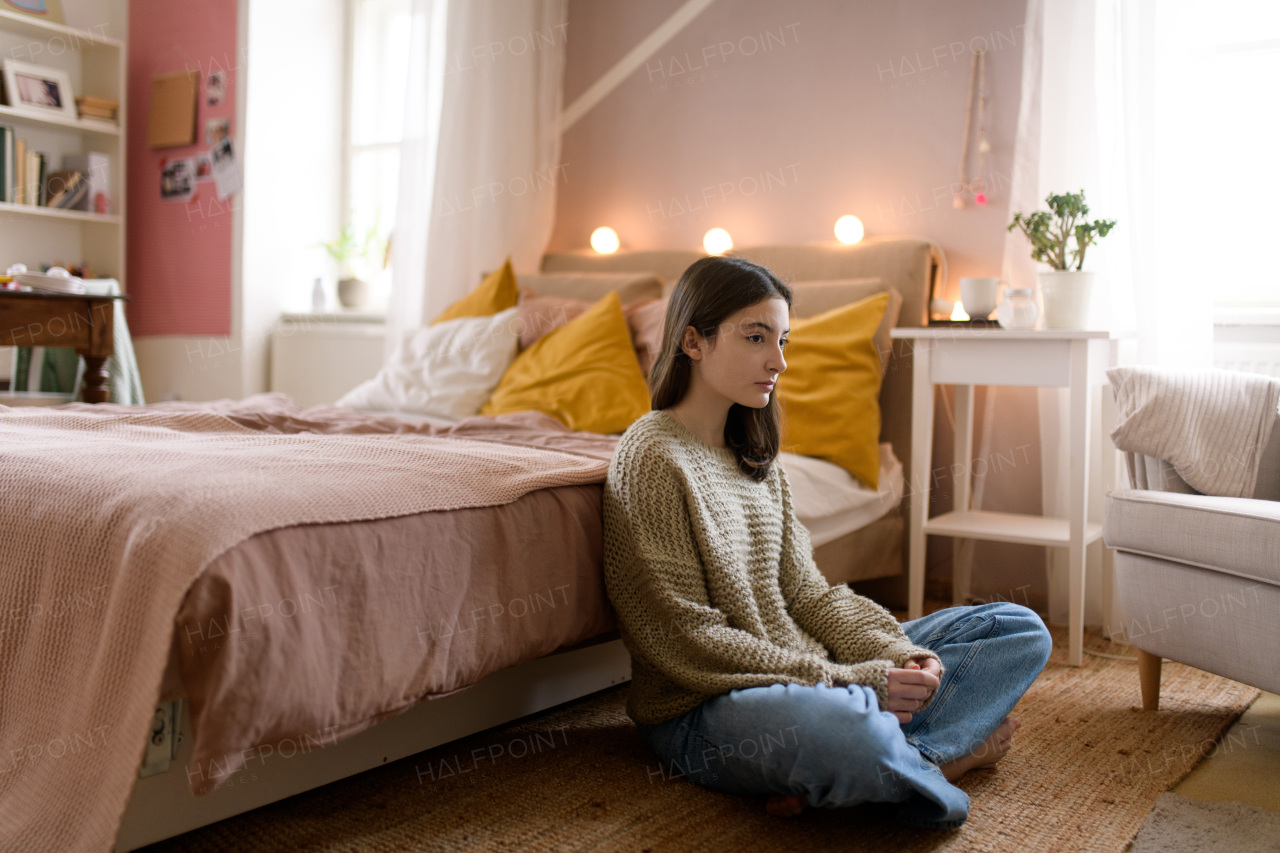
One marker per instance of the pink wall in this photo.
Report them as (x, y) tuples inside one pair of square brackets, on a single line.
[(772, 120), (178, 253)]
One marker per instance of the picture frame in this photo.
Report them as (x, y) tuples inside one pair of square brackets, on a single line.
[(44, 10), (36, 90)]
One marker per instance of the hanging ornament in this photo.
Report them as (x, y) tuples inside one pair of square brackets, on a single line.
[(977, 185), (958, 202)]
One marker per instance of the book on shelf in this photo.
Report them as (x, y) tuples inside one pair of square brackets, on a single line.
[(64, 188), (24, 172), (7, 176), (35, 178), (20, 161), (97, 107), (96, 169)]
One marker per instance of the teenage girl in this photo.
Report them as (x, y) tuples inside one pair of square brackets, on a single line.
[(751, 674)]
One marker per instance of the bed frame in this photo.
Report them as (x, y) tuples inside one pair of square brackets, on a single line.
[(161, 805)]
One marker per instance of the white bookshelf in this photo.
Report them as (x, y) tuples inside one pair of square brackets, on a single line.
[(96, 61), (15, 118), (26, 25)]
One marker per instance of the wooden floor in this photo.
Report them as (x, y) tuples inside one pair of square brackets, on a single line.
[(1244, 766)]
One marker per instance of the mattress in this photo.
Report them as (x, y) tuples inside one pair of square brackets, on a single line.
[(829, 501)]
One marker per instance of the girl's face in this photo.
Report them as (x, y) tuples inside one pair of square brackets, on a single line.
[(744, 360)]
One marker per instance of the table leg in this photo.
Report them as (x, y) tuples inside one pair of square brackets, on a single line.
[(1108, 473), (962, 549), (1078, 502), (95, 380), (921, 462)]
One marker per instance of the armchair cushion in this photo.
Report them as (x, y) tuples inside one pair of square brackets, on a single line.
[(1235, 536)]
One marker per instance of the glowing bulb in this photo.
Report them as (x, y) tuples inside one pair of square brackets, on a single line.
[(605, 240), (957, 313), (849, 230), (717, 241)]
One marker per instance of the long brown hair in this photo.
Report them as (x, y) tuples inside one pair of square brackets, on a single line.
[(710, 291)]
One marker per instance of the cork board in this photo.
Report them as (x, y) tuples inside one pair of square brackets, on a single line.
[(172, 121)]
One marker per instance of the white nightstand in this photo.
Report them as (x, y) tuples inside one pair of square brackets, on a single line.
[(968, 356)]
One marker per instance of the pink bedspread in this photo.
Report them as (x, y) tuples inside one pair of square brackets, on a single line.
[(298, 638), (107, 516)]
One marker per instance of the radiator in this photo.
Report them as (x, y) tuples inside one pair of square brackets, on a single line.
[(1253, 347)]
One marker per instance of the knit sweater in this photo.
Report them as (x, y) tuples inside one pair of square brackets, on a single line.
[(714, 582)]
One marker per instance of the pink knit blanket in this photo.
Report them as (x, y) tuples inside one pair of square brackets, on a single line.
[(107, 515)]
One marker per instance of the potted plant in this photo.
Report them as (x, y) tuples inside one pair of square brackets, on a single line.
[(1059, 237), (347, 251)]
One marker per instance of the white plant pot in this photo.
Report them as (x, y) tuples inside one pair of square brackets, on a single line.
[(1067, 295), (353, 293)]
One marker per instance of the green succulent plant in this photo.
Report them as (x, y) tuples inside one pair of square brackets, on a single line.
[(350, 246), (1052, 231)]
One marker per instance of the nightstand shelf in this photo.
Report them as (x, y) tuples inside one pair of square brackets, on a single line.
[(1009, 527)]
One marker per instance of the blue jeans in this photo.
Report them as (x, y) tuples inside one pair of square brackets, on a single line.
[(835, 747)]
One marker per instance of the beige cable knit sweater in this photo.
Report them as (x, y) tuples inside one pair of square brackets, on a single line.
[(714, 582)]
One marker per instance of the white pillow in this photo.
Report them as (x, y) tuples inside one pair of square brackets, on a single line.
[(448, 370)]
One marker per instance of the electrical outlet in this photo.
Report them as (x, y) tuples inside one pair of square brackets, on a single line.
[(162, 740)]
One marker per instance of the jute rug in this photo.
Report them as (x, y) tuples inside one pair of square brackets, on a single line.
[(1085, 771)]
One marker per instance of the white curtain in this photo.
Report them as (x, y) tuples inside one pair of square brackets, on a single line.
[(1113, 103), (479, 163)]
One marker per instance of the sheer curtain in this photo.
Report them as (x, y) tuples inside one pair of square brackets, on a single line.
[(1115, 102), (480, 158)]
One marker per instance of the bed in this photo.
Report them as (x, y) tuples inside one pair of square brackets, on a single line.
[(300, 654)]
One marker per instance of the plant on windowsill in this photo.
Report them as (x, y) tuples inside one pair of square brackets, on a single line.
[(1067, 287), (349, 251)]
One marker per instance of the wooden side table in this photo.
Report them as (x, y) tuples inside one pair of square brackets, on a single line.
[(79, 321), (966, 357)]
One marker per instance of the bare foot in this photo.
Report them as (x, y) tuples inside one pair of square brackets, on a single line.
[(780, 806), (992, 750)]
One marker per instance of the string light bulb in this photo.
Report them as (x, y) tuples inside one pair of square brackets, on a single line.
[(717, 241), (849, 230), (605, 240)]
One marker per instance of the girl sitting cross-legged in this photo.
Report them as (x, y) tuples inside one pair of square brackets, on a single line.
[(751, 674)]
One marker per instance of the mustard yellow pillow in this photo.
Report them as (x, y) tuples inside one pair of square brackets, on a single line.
[(584, 374), (496, 293), (830, 392)]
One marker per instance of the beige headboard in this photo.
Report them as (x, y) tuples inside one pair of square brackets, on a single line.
[(909, 265)]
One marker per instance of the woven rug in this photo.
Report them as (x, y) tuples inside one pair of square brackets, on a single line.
[(1086, 770)]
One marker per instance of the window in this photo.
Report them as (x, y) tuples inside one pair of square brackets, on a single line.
[(1233, 183), (379, 63)]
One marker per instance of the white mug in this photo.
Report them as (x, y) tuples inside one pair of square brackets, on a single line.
[(980, 296)]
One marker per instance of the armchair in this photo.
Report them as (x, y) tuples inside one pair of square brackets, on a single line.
[(1198, 575)]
